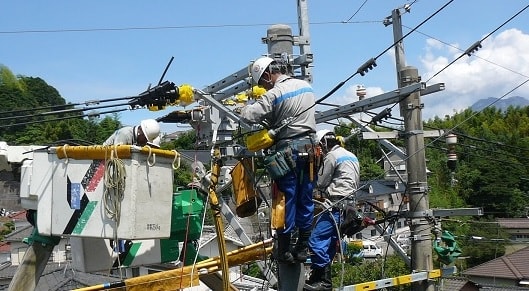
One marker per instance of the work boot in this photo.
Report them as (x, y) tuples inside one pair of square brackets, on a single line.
[(320, 279), (301, 249), (283, 254)]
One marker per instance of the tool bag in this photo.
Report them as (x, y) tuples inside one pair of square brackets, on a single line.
[(280, 163), (352, 222)]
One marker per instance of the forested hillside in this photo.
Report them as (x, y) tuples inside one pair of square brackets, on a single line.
[(26, 113), (491, 172)]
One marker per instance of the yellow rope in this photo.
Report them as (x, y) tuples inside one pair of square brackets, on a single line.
[(115, 175)]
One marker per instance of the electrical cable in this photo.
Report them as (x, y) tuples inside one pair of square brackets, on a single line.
[(63, 118), (88, 103), (356, 12), (477, 45), (65, 111), (369, 64), (476, 56)]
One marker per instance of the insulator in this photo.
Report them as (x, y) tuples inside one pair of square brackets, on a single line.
[(361, 92), (452, 162), (451, 139)]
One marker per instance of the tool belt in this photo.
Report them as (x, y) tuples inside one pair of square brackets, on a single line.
[(281, 162)]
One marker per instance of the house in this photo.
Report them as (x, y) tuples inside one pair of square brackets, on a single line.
[(457, 284), (385, 194), (510, 270), (395, 168), (518, 228)]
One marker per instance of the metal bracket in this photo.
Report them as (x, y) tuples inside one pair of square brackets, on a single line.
[(419, 214), (369, 103), (457, 212)]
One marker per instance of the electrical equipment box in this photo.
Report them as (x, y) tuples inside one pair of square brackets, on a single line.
[(186, 219), (79, 202)]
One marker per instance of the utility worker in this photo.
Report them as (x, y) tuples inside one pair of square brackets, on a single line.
[(140, 135), (287, 107), (338, 177)]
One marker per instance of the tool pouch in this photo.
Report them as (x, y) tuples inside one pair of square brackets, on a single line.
[(279, 164)]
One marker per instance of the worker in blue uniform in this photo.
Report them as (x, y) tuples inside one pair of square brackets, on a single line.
[(287, 108), (337, 180)]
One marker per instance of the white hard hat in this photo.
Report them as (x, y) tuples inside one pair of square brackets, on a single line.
[(150, 128), (259, 66), (321, 133)]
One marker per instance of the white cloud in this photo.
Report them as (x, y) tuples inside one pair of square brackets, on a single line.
[(497, 68)]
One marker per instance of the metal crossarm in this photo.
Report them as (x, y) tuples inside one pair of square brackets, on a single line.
[(369, 103)]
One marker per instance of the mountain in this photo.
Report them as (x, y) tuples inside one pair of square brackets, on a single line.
[(503, 104)]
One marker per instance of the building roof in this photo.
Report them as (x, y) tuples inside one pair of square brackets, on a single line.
[(513, 266), (457, 283), (513, 222), (5, 247), (375, 188), (19, 234), (19, 215)]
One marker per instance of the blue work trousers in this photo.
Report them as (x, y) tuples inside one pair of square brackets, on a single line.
[(324, 237), (297, 187)]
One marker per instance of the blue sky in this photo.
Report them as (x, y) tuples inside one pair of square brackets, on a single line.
[(97, 49)]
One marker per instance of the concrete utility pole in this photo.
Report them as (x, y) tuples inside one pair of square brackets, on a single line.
[(410, 110), (28, 273)]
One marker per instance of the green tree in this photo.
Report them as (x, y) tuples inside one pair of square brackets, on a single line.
[(185, 141)]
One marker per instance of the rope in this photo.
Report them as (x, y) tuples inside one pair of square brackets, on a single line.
[(115, 175)]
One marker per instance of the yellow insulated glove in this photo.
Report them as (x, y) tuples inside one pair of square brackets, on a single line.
[(241, 98), (257, 91)]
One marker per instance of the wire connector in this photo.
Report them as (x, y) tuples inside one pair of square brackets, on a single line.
[(473, 48), (369, 65)]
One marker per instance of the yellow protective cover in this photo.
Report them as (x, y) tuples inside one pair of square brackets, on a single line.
[(259, 140), (247, 200), (278, 208)]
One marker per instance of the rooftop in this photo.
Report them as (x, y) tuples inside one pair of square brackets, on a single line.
[(513, 266)]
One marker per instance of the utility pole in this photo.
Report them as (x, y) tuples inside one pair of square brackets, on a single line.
[(410, 110)]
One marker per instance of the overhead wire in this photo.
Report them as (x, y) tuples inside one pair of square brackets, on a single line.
[(510, 91), (452, 62), (356, 12), (475, 55), (64, 111), (369, 64), (63, 118), (88, 103), (477, 44)]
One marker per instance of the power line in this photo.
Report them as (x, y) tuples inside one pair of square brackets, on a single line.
[(88, 103), (94, 114), (356, 12), (477, 45), (459, 49), (117, 29), (65, 111)]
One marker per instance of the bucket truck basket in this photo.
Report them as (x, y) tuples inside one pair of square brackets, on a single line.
[(80, 197)]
